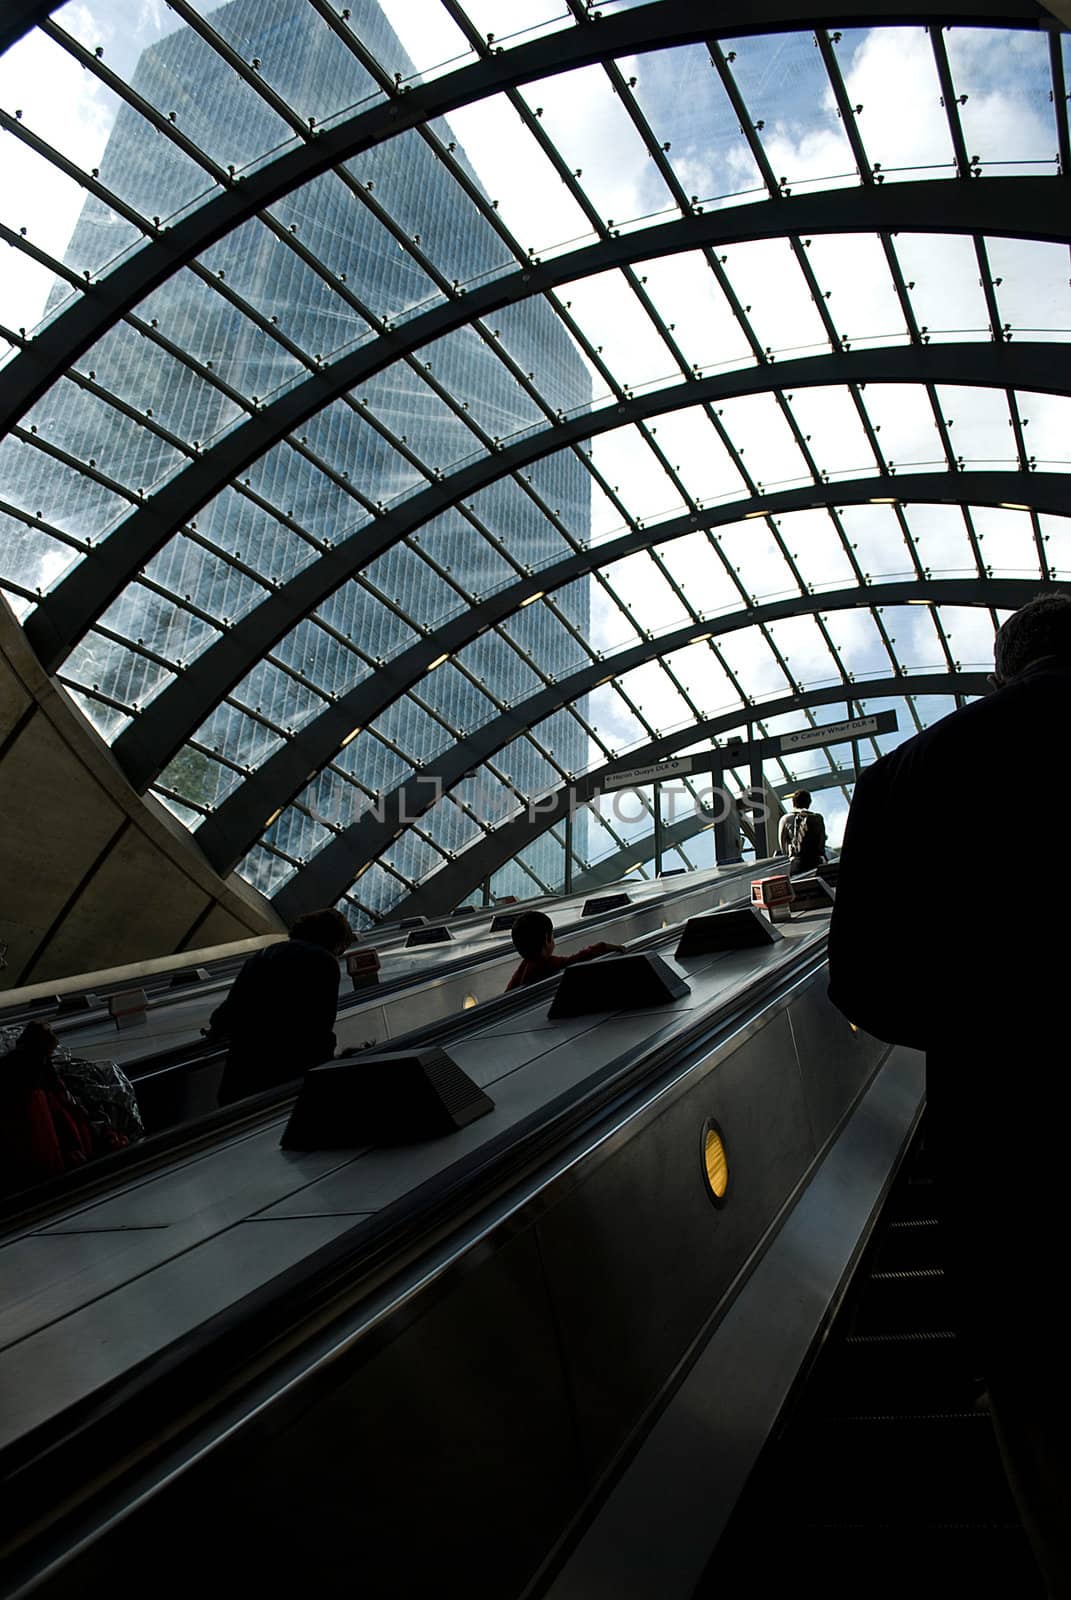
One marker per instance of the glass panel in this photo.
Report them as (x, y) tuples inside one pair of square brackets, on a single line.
[(754, 554), (190, 572), (197, 778), (265, 871), (693, 120), (1007, 541), (698, 455), (751, 660), (654, 696), (858, 642), (1006, 113), (28, 556), (757, 426), (970, 634), (103, 664), (52, 492), (473, 562), (296, 834), (532, 200), (874, 534), (979, 425), (483, 385), (402, 576), (615, 323), (143, 615), (775, 297), (108, 722), (415, 732), (940, 535), (693, 305), (1056, 532), (451, 695), (429, 37), (696, 566), (146, 377), (229, 732), (627, 462), (617, 172), (903, 420), (85, 427), (941, 273), (813, 542), (259, 266), (788, 93), (355, 613), (197, 319), (492, 662), (829, 421), (274, 694), (705, 679), (320, 657), (1032, 286), (329, 219), (914, 638), (805, 652), (884, 70), (853, 272), (639, 584), (1046, 419), (547, 641)]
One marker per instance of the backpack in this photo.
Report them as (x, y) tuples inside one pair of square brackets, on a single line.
[(806, 839)]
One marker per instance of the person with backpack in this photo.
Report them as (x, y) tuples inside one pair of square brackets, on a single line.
[(802, 835)]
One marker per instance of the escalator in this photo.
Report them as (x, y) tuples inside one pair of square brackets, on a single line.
[(424, 1360), (884, 1476)]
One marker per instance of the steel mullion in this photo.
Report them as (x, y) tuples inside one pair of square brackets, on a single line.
[(985, 279), (107, 197), (844, 105), (83, 546), (91, 62), (722, 66), (948, 100), (31, 437), (58, 269), (1059, 100), (230, 57)]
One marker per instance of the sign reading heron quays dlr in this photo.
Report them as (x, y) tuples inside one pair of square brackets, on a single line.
[(658, 772), (834, 732)]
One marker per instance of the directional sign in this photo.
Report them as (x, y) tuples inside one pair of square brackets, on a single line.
[(634, 777), (838, 732)]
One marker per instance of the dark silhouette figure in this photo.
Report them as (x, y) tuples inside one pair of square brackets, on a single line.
[(533, 940), (966, 959), (802, 835), (44, 1131), (279, 1017)]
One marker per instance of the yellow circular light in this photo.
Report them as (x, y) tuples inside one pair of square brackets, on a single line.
[(468, 1002), (715, 1162)]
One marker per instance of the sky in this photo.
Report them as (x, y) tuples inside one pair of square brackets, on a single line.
[(1002, 80)]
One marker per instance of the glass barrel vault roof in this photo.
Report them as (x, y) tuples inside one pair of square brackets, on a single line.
[(408, 407)]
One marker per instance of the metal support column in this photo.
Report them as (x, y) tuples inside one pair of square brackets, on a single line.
[(758, 823), (658, 831), (569, 815)]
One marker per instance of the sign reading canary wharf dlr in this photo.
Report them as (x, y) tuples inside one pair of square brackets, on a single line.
[(741, 755)]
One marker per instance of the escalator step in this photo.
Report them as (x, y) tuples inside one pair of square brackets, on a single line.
[(897, 1373), (902, 1301)]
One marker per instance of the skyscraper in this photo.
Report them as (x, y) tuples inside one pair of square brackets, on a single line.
[(229, 331)]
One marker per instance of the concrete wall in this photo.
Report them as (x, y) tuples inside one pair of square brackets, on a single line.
[(91, 873)]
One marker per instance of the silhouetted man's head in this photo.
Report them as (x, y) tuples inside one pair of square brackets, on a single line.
[(1040, 629), (328, 928), (801, 799), (530, 934)]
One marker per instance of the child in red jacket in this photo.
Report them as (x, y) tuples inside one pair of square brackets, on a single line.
[(533, 940)]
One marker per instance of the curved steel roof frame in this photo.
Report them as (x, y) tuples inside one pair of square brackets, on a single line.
[(652, 27), (234, 827), (331, 871), (180, 708), (1037, 208), (456, 880)]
